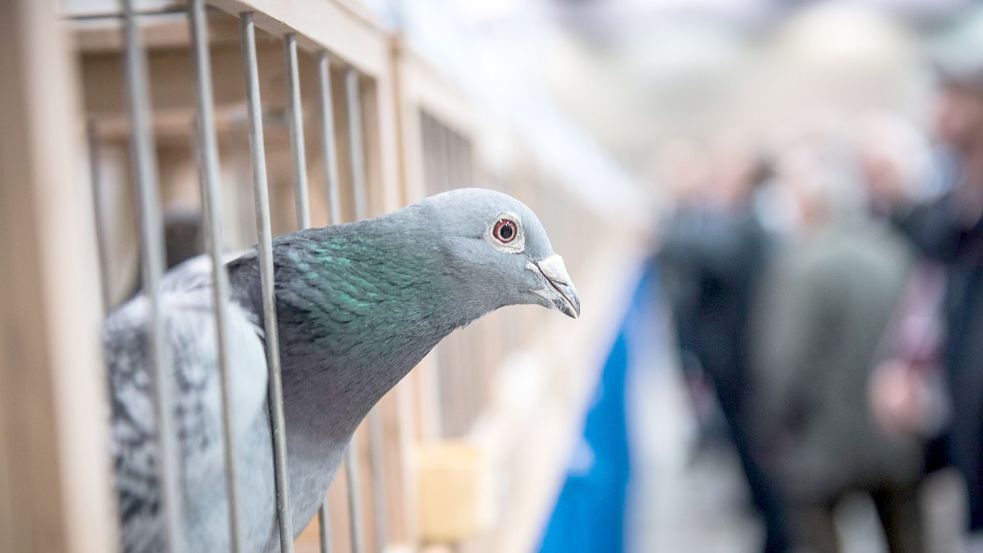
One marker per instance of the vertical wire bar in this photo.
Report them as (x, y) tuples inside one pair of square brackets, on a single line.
[(444, 379), (357, 176), (469, 173), (462, 164), (354, 498), (351, 455), (357, 151), (102, 244), (301, 198), (377, 478), (426, 152), (212, 203), (265, 235), (462, 371), (437, 145), (324, 528), (334, 207), (431, 177), (447, 161), (453, 168), (328, 138), (151, 236), (296, 131)]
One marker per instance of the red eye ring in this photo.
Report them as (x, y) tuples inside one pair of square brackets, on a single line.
[(505, 231)]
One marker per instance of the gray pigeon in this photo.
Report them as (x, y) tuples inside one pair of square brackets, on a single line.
[(358, 305)]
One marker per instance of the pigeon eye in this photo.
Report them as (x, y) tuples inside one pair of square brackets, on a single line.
[(505, 231)]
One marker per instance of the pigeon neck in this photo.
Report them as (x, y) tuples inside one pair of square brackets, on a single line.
[(358, 307)]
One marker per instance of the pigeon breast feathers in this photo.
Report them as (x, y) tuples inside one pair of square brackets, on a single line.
[(190, 333)]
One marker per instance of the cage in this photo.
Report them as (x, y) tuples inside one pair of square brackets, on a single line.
[(142, 133)]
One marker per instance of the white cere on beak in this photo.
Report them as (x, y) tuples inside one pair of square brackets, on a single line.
[(559, 290)]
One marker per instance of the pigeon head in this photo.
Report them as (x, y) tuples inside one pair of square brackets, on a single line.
[(496, 247)]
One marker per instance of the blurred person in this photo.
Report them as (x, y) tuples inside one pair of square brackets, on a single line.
[(949, 230), (828, 299), (896, 161), (907, 392), (681, 167), (711, 256)]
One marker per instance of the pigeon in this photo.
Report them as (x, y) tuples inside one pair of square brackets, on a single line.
[(358, 306)]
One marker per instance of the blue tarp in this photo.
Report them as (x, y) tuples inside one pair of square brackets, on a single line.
[(589, 516)]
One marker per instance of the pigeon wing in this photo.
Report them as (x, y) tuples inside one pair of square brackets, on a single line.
[(190, 336)]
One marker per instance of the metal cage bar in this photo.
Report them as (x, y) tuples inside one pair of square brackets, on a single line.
[(446, 157), (324, 528), (212, 205), (260, 189), (301, 198), (296, 118), (95, 175), (354, 498), (377, 478), (151, 236), (357, 175), (356, 142), (334, 210), (328, 138), (360, 192)]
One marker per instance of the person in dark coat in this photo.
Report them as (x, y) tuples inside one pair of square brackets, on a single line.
[(712, 254), (950, 230)]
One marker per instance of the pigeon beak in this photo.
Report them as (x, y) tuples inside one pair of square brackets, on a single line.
[(559, 291)]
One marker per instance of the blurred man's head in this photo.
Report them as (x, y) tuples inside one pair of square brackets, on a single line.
[(895, 160), (820, 174), (959, 115), (738, 168), (957, 57)]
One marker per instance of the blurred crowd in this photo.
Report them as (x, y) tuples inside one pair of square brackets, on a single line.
[(826, 290)]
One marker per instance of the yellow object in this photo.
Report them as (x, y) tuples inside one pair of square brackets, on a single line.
[(455, 491)]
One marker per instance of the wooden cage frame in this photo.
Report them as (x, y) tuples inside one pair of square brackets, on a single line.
[(54, 485)]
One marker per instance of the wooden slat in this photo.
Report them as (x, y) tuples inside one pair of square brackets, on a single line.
[(322, 25), (54, 477), (94, 8), (424, 87), (414, 86), (165, 31)]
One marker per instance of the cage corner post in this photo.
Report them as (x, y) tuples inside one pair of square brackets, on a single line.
[(54, 471)]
